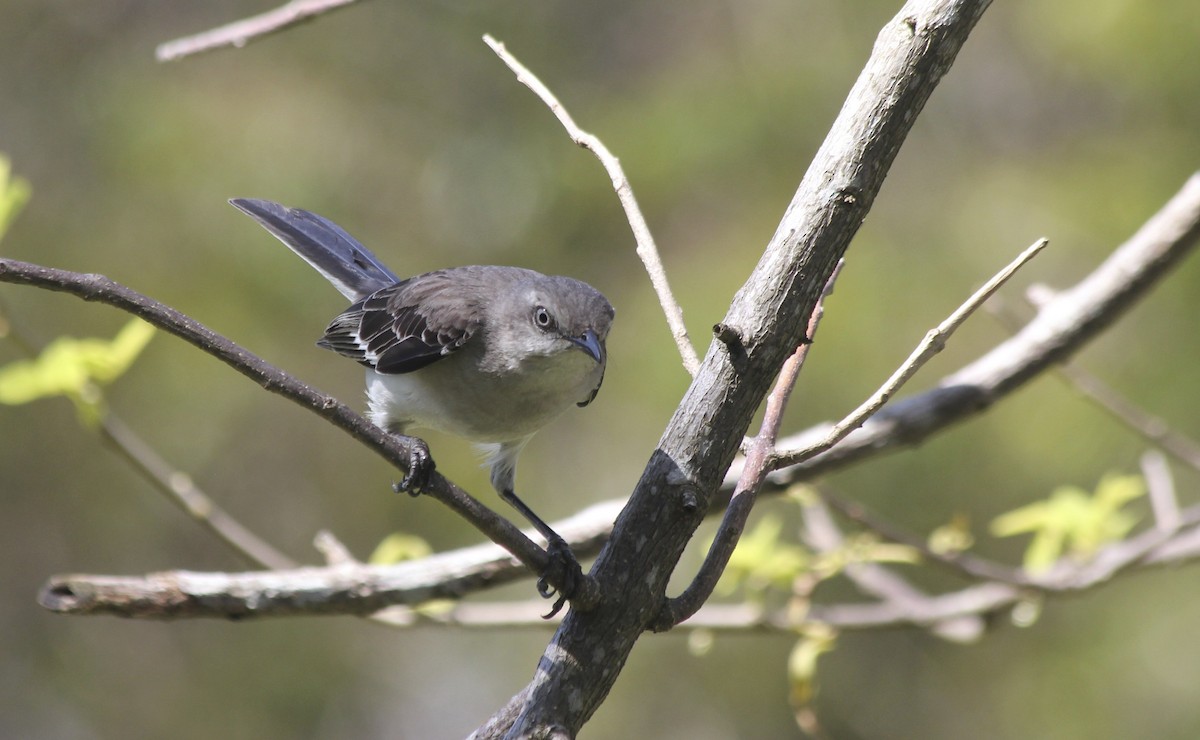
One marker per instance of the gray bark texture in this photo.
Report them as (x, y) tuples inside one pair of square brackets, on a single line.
[(765, 323)]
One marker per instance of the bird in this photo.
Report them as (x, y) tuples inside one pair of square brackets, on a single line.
[(487, 353)]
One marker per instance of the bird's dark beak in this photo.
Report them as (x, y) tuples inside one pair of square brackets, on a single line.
[(589, 343)]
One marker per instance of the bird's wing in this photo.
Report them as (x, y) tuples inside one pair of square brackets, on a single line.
[(405, 326), (345, 263)]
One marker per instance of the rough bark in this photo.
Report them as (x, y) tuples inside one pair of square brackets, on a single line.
[(765, 323)]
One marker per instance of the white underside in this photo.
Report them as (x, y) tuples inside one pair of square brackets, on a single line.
[(498, 412)]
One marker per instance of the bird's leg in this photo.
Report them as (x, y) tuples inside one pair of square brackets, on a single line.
[(420, 466), (562, 567)]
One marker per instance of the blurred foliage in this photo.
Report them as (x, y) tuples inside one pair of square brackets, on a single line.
[(73, 368), (1074, 120), (398, 547), (1073, 520)]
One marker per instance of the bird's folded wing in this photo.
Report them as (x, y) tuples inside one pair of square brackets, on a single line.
[(405, 326)]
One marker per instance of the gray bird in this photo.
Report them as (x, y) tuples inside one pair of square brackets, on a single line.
[(490, 354)]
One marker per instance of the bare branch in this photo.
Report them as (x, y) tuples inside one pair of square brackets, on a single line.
[(933, 343), (768, 317), (450, 574), (182, 490), (646, 248), (239, 33), (1152, 428)]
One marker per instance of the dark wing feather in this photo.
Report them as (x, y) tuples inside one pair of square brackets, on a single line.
[(405, 326)]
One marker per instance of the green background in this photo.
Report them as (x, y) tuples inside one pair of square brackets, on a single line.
[(1073, 120)]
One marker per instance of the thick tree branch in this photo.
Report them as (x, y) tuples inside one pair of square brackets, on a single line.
[(760, 450), (767, 317)]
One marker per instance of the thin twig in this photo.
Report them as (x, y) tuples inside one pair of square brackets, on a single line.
[(239, 33), (873, 579), (1152, 428), (963, 563), (758, 456), (933, 343), (646, 248), (182, 491)]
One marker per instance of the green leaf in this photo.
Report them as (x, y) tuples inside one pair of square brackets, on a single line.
[(398, 547), (762, 560), (14, 194), (1073, 521), (70, 367), (802, 663)]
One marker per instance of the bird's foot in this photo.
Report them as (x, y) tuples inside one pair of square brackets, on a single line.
[(562, 568), (420, 467)]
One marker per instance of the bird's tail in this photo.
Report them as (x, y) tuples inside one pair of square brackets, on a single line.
[(345, 263)]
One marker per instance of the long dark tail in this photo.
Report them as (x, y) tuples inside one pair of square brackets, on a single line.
[(345, 263)]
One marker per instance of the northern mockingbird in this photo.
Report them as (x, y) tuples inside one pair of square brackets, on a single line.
[(489, 354)]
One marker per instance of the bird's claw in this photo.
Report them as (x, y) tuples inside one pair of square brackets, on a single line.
[(563, 568), (420, 468)]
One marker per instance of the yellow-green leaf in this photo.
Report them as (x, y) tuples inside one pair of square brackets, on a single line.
[(1072, 520), (398, 547), (67, 367), (802, 663), (762, 560)]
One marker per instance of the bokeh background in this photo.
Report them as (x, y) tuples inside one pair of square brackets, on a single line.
[(1074, 120)]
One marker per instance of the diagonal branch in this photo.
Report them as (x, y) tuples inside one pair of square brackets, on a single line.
[(239, 33), (758, 457), (764, 324), (176, 485), (933, 343), (647, 250)]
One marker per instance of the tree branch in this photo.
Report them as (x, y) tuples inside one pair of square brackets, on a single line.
[(349, 587), (934, 342), (239, 33), (758, 456), (647, 250)]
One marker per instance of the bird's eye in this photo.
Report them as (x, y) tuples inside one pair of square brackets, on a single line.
[(542, 318)]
